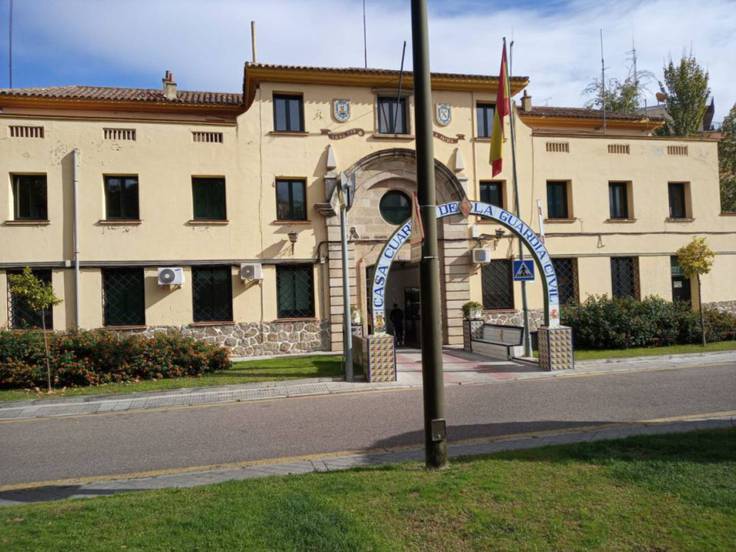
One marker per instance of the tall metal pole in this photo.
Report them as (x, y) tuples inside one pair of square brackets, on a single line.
[(347, 342), (365, 40), (517, 209), (10, 45), (435, 434)]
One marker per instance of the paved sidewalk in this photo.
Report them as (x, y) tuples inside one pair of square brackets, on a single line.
[(87, 488), (460, 369)]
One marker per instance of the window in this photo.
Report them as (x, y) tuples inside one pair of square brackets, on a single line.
[(20, 313), (291, 199), (492, 192), (212, 293), (29, 197), (677, 197), (625, 277), (209, 198), (121, 197), (288, 113), (124, 301), (295, 291), (395, 207), (567, 279), (618, 197), (681, 290), (557, 200), (392, 117), (484, 117), (497, 285)]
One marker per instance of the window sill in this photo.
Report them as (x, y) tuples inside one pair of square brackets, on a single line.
[(128, 327), (728, 214), (482, 139), (295, 319), (499, 311), (559, 221), (28, 222), (119, 222), (404, 137), (288, 133), (685, 219), (205, 222), (212, 323), (620, 220), (288, 221)]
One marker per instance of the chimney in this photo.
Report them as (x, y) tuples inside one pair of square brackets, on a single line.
[(169, 86), (526, 102)]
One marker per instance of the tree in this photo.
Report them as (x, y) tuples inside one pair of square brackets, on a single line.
[(727, 162), (696, 258), (686, 88), (620, 97), (40, 297)]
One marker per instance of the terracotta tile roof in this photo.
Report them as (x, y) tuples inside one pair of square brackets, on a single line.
[(373, 71), (585, 113), (110, 94)]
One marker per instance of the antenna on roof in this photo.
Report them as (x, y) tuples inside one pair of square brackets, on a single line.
[(398, 92), (10, 45), (603, 84), (253, 40), (365, 40)]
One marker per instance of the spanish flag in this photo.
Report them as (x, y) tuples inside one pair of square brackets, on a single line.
[(503, 108)]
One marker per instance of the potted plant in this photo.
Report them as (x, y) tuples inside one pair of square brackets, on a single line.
[(472, 310)]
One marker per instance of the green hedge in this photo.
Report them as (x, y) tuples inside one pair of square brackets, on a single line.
[(604, 323), (97, 357)]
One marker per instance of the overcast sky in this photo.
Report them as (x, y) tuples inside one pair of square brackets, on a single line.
[(205, 42)]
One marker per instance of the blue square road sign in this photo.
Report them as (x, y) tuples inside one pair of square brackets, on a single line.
[(523, 270)]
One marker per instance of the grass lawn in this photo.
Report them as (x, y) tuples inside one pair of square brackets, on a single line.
[(250, 371), (647, 351), (655, 493)]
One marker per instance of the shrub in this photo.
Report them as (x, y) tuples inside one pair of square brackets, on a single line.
[(98, 356), (605, 323)]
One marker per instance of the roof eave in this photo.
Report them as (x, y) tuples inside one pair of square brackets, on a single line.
[(544, 121)]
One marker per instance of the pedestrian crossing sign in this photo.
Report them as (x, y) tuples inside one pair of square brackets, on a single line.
[(523, 270)]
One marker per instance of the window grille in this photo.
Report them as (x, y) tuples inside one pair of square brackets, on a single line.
[(676, 150), (295, 291), (123, 297), (119, 133), (619, 148), (26, 131), (207, 137), (558, 147), (567, 279), (212, 293), (20, 313), (625, 277), (497, 285)]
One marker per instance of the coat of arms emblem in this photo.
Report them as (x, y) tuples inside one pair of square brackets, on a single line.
[(443, 112), (341, 110)]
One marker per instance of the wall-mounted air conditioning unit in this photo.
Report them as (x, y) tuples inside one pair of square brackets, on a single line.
[(170, 276), (481, 255), (251, 271)]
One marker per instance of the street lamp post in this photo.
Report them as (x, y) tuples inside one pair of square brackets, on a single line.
[(435, 434)]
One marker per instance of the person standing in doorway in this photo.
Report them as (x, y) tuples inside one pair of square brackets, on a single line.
[(397, 319)]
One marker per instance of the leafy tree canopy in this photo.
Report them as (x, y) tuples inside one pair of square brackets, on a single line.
[(727, 162), (686, 87), (695, 258), (38, 294)]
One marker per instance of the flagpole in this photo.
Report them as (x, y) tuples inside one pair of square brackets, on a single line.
[(524, 304)]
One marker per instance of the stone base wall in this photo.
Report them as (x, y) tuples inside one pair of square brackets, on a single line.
[(724, 306), (515, 318), (256, 339)]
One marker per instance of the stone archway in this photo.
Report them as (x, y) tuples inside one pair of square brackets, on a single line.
[(375, 174)]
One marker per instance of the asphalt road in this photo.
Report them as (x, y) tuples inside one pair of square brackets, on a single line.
[(106, 444)]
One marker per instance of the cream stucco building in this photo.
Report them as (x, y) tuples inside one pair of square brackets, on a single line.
[(122, 182)]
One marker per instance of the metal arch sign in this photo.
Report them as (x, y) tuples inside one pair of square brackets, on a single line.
[(511, 222)]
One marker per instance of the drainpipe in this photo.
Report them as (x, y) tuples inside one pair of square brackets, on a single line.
[(75, 236)]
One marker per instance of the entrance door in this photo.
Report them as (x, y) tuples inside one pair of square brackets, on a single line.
[(412, 317)]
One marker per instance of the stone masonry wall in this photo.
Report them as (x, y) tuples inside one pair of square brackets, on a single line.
[(725, 306), (256, 339), (515, 318)]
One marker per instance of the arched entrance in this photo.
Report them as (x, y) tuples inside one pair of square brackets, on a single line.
[(511, 222)]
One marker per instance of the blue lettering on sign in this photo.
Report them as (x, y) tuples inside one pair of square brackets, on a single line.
[(486, 210)]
